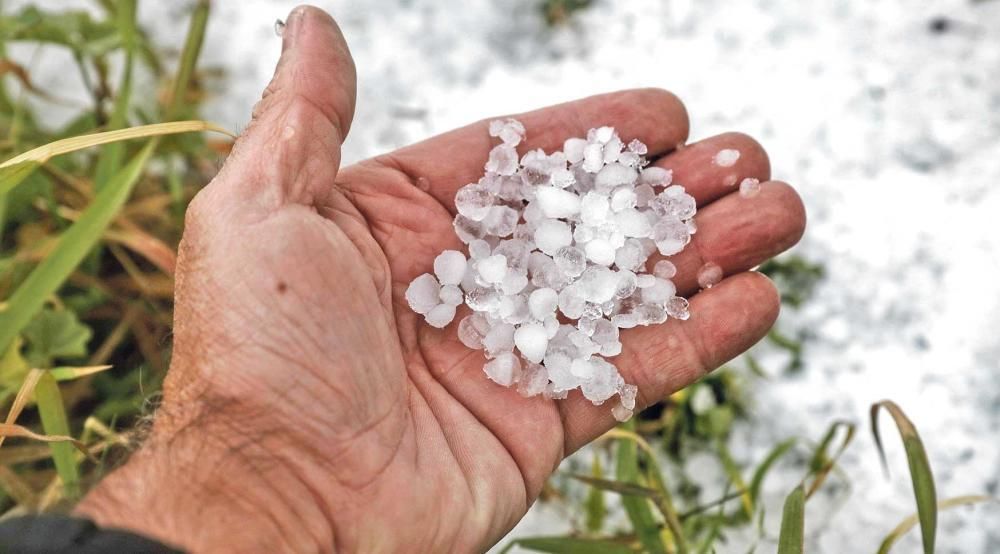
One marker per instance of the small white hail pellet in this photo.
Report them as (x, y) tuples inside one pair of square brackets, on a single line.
[(559, 248)]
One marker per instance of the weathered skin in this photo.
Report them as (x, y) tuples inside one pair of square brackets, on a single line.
[(308, 409)]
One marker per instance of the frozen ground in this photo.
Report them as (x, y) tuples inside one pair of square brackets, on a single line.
[(891, 131)]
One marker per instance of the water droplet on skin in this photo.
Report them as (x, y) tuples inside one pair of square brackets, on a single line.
[(279, 27), (709, 275), (749, 188)]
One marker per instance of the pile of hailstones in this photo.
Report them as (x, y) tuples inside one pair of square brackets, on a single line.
[(564, 233)]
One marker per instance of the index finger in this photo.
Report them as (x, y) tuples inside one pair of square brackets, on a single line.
[(453, 159)]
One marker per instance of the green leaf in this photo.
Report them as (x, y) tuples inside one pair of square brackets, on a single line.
[(654, 477), (3, 225), (189, 57), (12, 175), (74, 29), (638, 509), (112, 154), (624, 489), (821, 463), (735, 475), (717, 421), (570, 545), (754, 366), (757, 480), (68, 373), (55, 334), (794, 347), (791, 540), (920, 469), (594, 505), (707, 545), (717, 503), (72, 248), (794, 276), (53, 414), (665, 504), (13, 368)]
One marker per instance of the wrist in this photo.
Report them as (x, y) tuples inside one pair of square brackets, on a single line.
[(211, 489)]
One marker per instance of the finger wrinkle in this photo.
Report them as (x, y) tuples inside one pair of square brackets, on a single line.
[(672, 357), (741, 324), (396, 185)]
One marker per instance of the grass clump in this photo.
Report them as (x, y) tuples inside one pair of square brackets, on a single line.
[(656, 522), (90, 215)]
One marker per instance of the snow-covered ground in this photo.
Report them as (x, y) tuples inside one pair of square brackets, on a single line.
[(890, 131)]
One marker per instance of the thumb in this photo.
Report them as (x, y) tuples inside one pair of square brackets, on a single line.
[(291, 150)]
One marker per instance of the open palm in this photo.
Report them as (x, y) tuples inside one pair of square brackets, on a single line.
[(295, 349)]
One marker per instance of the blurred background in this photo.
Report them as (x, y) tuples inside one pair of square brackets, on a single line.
[(885, 114)]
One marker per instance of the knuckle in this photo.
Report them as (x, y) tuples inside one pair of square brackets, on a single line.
[(195, 214)]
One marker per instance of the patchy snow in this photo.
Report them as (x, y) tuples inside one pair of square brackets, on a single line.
[(891, 132)]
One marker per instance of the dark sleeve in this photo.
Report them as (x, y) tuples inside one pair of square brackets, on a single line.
[(57, 534)]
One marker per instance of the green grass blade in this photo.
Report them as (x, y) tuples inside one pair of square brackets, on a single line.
[(624, 489), (570, 545), (757, 479), (126, 15), (665, 504), (920, 469), (12, 175), (754, 366), (662, 498), (717, 503), (68, 373), (911, 520), (792, 537), (189, 57), (112, 154), (53, 414), (707, 545), (638, 509), (3, 222), (594, 506), (733, 472), (822, 463), (72, 248)]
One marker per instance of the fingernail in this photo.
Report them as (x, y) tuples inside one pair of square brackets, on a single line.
[(291, 27)]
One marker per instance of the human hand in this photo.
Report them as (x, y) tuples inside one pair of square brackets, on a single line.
[(308, 409)]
